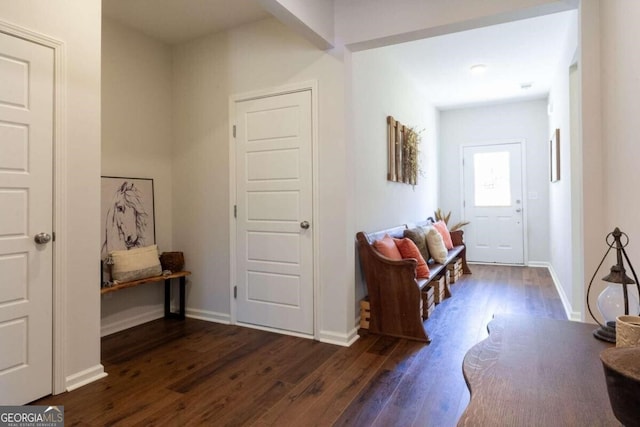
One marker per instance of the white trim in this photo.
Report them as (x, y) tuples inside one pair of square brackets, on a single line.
[(312, 86), (130, 322), (232, 203), (85, 377), (499, 264), (538, 264), (344, 340), (523, 176), (579, 289), (274, 91), (59, 280), (524, 201), (315, 194), (209, 316), (275, 330), (121, 325), (327, 337), (568, 309)]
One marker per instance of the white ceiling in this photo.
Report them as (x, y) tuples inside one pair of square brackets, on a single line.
[(177, 21), (525, 51)]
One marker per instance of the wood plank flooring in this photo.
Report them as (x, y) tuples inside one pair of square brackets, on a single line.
[(188, 373)]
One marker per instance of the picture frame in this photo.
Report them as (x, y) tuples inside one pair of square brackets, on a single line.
[(554, 156), (127, 216)]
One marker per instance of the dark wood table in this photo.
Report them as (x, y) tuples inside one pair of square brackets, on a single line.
[(537, 372)]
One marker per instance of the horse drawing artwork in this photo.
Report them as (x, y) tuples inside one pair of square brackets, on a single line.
[(126, 220)]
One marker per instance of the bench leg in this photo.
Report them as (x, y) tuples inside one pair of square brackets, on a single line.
[(465, 266), (182, 297), (167, 299)]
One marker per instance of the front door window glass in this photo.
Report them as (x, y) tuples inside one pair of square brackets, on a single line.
[(492, 186)]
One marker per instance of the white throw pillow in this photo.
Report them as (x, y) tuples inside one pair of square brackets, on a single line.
[(135, 264), (435, 243)]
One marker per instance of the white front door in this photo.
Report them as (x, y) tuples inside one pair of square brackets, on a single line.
[(492, 176), (26, 209), (274, 239)]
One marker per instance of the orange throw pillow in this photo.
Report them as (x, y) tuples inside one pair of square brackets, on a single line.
[(408, 249), (387, 247), (441, 226)]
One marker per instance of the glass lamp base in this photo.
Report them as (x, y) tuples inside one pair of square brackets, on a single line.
[(606, 333)]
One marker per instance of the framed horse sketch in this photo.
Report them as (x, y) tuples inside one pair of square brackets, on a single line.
[(127, 215)]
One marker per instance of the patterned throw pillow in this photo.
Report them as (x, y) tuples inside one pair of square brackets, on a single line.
[(418, 237), (135, 264), (408, 249), (436, 246)]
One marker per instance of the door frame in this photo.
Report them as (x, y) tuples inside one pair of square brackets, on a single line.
[(311, 85), (59, 249), (523, 159)]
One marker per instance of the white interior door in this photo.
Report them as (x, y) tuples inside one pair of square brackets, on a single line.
[(492, 176), (274, 212), (26, 148)]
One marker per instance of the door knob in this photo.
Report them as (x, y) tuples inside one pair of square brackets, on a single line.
[(304, 224), (42, 238)]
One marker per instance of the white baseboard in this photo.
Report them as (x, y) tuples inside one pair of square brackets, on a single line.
[(122, 324), (275, 330), (85, 377), (538, 264), (209, 316), (568, 309), (344, 340)]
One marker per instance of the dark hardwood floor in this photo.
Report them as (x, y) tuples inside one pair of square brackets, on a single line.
[(171, 372)]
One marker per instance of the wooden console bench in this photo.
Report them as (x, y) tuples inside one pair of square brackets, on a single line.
[(167, 290)]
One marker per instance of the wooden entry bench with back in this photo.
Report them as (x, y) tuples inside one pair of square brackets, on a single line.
[(394, 290)]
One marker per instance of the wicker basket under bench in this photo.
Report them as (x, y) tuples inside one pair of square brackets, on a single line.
[(395, 294)]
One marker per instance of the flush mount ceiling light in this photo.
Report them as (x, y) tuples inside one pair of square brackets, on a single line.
[(478, 69)]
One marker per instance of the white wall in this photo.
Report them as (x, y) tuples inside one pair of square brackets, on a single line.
[(590, 64), (621, 127), (526, 121), (620, 124), (311, 19), (77, 24), (380, 88), (562, 210), (363, 24), (206, 72), (136, 142)]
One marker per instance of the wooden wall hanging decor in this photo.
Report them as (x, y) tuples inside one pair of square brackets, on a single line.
[(402, 154)]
